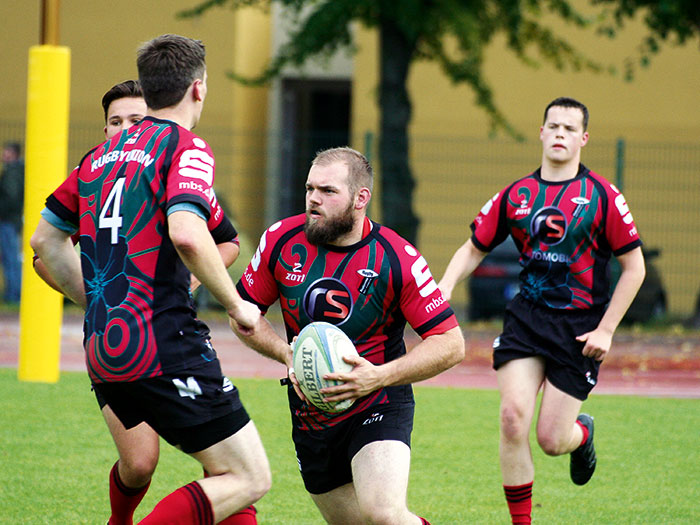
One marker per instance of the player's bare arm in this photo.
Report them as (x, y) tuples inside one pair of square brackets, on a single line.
[(197, 250), (55, 248), (435, 354), (599, 341), (463, 262), (229, 253), (43, 273), (267, 342)]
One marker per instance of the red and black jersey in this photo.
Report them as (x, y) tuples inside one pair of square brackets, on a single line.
[(566, 232), (370, 290), (140, 321)]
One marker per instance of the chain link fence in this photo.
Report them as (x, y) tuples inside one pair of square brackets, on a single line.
[(455, 177)]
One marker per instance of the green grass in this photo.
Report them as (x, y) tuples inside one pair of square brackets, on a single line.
[(55, 454)]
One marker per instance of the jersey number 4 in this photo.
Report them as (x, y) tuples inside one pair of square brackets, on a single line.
[(114, 201)]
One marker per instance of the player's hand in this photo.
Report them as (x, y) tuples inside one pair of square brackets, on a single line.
[(597, 343), (244, 318), (362, 380), (291, 374)]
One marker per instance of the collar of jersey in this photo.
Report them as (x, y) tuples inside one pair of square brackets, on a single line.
[(582, 170), (368, 229)]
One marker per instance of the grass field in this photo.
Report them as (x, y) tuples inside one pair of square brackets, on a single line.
[(55, 454)]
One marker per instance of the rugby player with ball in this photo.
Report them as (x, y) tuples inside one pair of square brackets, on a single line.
[(333, 264)]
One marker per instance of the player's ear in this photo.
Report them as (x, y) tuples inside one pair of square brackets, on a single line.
[(362, 198), (584, 138), (105, 130), (198, 91)]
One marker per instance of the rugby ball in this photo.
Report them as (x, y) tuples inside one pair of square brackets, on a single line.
[(319, 350)]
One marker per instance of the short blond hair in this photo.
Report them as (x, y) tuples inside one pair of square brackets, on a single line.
[(359, 169)]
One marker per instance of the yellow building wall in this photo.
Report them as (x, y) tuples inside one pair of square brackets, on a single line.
[(457, 166), (103, 38)]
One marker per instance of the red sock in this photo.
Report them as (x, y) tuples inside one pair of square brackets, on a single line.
[(519, 499), (423, 521), (242, 517), (188, 505), (123, 500), (584, 429)]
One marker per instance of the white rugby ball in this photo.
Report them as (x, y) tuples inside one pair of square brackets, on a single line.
[(319, 350)]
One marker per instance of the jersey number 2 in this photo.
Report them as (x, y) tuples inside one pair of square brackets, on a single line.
[(114, 200)]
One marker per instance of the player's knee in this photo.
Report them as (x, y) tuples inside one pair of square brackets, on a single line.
[(551, 444), (513, 425), (250, 486), (264, 483), (259, 484), (385, 514), (137, 470)]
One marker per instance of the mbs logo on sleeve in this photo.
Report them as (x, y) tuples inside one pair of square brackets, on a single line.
[(328, 299)]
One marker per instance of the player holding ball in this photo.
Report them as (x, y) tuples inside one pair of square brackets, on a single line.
[(334, 264)]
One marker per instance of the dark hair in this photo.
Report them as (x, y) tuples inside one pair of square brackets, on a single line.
[(14, 146), (126, 89), (359, 169), (566, 102), (167, 66)]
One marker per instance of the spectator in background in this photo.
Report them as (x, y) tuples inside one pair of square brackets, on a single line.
[(11, 210)]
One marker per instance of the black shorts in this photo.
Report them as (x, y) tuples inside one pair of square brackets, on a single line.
[(324, 456), (191, 410), (530, 330)]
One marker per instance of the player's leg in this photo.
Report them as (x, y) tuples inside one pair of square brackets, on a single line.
[(378, 492), (204, 417), (339, 506), (239, 472), (324, 465), (560, 428), (138, 449), (380, 476), (557, 430), (519, 380), (130, 477), (247, 516), (239, 476), (570, 378)]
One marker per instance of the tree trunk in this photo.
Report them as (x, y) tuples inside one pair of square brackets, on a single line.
[(397, 182)]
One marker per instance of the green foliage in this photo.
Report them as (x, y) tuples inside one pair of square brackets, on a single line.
[(56, 453), (453, 33), (677, 21)]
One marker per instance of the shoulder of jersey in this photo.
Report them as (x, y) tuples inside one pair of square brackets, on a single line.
[(281, 227), (319, 350), (390, 235), (187, 138), (597, 176)]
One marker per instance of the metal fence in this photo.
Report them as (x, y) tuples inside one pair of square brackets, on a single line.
[(660, 181), (456, 175)]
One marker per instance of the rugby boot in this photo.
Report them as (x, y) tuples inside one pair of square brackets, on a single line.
[(583, 459)]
